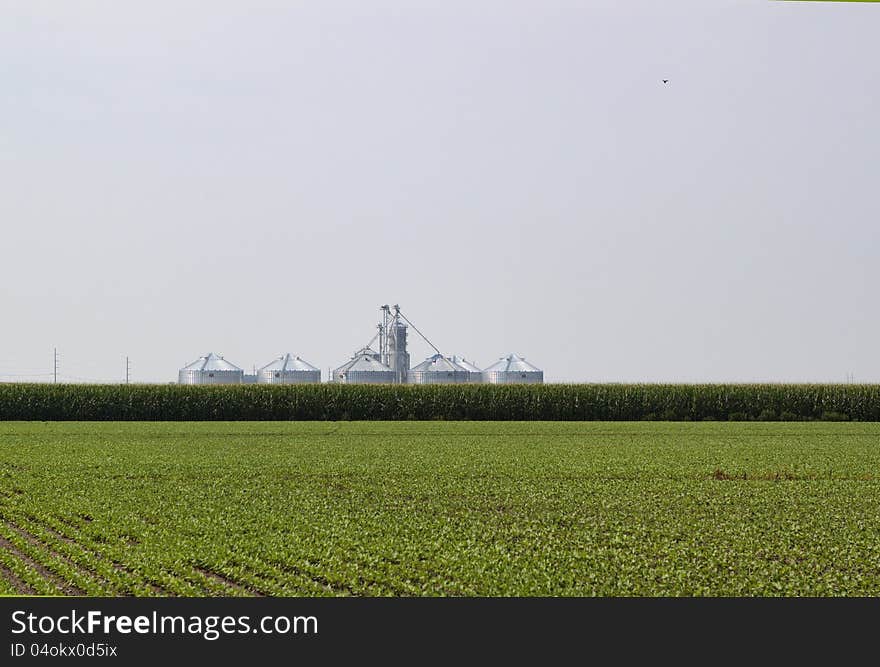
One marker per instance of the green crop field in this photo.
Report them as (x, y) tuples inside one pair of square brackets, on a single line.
[(440, 508), (449, 402)]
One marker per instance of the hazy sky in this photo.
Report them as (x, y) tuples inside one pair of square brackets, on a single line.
[(253, 178)]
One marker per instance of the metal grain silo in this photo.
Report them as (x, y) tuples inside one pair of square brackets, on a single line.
[(210, 369), (437, 370), (364, 368), (475, 375), (513, 370), (392, 342), (288, 369)]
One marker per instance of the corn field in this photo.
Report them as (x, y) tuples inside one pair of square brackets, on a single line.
[(329, 402)]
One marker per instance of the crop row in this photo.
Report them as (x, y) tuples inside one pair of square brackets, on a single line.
[(439, 508), (327, 402)]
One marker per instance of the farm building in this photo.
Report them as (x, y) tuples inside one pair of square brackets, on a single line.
[(475, 375), (288, 369), (383, 360), (513, 369), (210, 369), (438, 370), (364, 368)]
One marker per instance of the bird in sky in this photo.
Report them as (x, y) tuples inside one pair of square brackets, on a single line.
[(665, 80)]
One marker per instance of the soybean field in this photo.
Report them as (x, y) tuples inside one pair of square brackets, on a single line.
[(440, 508)]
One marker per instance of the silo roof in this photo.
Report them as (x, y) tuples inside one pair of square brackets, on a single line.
[(465, 364), (211, 362), (513, 364), (438, 363), (363, 361), (289, 362)]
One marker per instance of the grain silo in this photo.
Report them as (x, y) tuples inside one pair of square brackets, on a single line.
[(437, 370), (475, 375), (288, 369), (392, 342), (364, 368), (210, 369), (513, 370)]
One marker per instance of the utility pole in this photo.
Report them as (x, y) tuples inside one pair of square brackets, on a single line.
[(55, 365), (127, 370)]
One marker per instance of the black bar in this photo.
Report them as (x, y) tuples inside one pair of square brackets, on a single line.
[(415, 630)]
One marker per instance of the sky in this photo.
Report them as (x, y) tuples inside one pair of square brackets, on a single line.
[(256, 178)]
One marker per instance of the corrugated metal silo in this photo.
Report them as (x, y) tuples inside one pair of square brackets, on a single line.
[(513, 370), (210, 369), (438, 370), (364, 368), (288, 369), (475, 374), (398, 357)]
